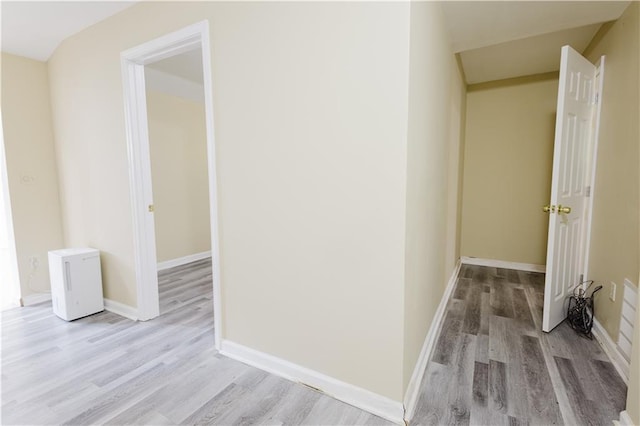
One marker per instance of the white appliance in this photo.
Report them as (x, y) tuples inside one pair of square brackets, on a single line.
[(76, 282)]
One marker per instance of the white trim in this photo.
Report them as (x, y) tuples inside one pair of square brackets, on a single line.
[(413, 390), (530, 267), (213, 182), (625, 419), (167, 264), (35, 298), (121, 309), (133, 61), (140, 187), (611, 349), (353, 395), (13, 273)]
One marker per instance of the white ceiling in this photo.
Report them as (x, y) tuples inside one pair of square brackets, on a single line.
[(533, 55), (35, 29), (475, 24), (505, 39), (513, 29)]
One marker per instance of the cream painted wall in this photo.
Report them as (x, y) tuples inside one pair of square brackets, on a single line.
[(31, 169), (615, 233), (436, 100), (310, 130), (507, 168), (178, 144)]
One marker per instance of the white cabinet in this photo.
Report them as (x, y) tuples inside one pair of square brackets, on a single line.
[(76, 282)]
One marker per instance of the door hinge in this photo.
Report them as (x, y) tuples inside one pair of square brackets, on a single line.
[(581, 278), (597, 97), (588, 191)]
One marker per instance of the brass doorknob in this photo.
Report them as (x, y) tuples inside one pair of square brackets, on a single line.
[(565, 209), (549, 209)]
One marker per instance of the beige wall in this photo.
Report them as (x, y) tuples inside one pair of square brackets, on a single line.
[(615, 233), (178, 144), (31, 169), (507, 168), (436, 93), (310, 130)]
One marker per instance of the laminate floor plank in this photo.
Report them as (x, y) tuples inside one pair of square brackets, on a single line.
[(522, 313), (432, 406), (584, 409), (485, 310), (297, 405), (612, 384), (498, 339), (539, 384), (462, 288), (472, 310), (221, 403), (480, 384), (482, 348), (516, 385), (501, 298), (450, 330), (498, 396), (520, 375), (460, 391)]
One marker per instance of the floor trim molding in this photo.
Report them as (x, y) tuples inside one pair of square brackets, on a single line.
[(529, 267), (625, 419), (183, 260), (121, 309), (611, 349), (353, 395), (413, 389), (35, 298)]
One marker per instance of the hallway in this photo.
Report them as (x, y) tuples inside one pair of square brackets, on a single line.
[(493, 365)]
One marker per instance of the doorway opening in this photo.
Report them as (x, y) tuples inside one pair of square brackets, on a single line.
[(178, 152), (9, 283), (192, 41)]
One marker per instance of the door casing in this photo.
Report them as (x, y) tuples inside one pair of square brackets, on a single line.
[(133, 80)]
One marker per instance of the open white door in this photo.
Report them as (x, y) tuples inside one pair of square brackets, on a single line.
[(575, 132)]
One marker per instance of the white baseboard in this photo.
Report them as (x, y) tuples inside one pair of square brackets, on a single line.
[(183, 260), (530, 267), (353, 395), (32, 299), (121, 309), (611, 349), (625, 419), (413, 390)]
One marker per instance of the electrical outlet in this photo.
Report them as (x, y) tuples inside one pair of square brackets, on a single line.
[(612, 291)]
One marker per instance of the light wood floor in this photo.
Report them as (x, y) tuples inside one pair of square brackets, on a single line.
[(490, 366), (493, 365), (105, 369)]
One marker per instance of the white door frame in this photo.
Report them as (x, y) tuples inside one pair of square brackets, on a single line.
[(133, 81), (14, 291)]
